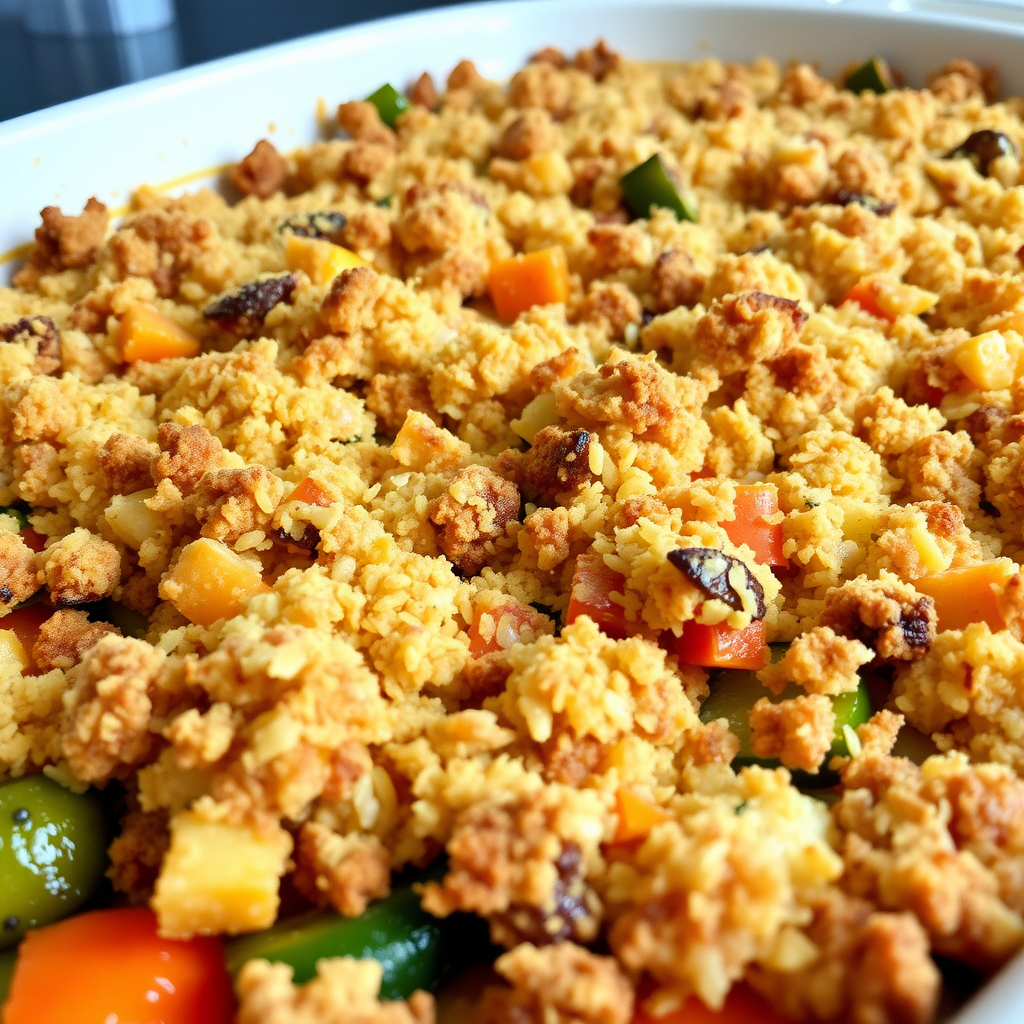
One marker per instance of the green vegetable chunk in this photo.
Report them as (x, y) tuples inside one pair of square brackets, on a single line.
[(734, 692), (52, 853), (415, 949), (389, 103), (873, 75), (650, 184)]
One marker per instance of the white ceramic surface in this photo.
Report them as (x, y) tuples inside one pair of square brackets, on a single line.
[(176, 125)]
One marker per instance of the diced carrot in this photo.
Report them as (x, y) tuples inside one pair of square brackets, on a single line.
[(753, 505), (149, 335), (636, 816), (312, 493), (501, 628), (720, 646), (536, 279), (890, 299), (968, 594), (742, 1006), (320, 260), (110, 965), (865, 294), (211, 582), (26, 622), (592, 585)]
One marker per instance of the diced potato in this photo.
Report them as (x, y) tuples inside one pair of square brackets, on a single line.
[(149, 335), (320, 260), (131, 519), (537, 415), (210, 582), (12, 651), (219, 877), (989, 361)]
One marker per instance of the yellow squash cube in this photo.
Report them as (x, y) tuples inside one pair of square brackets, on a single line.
[(210, 582), (219, 877), (320, 260)]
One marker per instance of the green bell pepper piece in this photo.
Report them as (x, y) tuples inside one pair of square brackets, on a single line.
[(53, 852), (416, 949), (873, 75), (734, 692), (389, 103), (650, 184)]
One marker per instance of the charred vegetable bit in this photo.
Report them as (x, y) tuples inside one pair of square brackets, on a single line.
[(710, 570), (52, 853), (651, 184), (844, 197), (247, 306), (416, 949), (327, 224), (390, 103), (983, 148), (873, 75)]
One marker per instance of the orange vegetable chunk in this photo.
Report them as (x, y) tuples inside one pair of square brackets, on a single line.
[(512, 616), (592, 585), (636, 816), (742, 1006), (968, 594), (535, 279), (211, 582), (111, 966), (865, 294), (311, 493), (149, 335), (753, 504), (720, 646)]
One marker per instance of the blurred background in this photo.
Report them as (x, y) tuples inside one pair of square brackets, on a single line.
[(57, 50)]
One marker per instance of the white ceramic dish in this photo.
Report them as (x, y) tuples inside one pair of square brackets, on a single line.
[(184, 125)]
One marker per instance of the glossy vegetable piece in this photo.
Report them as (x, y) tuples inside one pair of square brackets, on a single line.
[(52, 853), (990, 361), (651, 184), (534, 279), (636, 816), (593, 583), (968, 594), (211, 582), (415, 949), (753, 506), (874, 75), (111, 966), (983, 148), (720, 646), (149, 335), (742, 1006), (12, 650), (734, 693), (390, 103)]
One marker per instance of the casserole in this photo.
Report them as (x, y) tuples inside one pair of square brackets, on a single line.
[(151, 132)]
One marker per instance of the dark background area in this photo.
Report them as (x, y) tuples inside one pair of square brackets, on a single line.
[(38, 71)]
